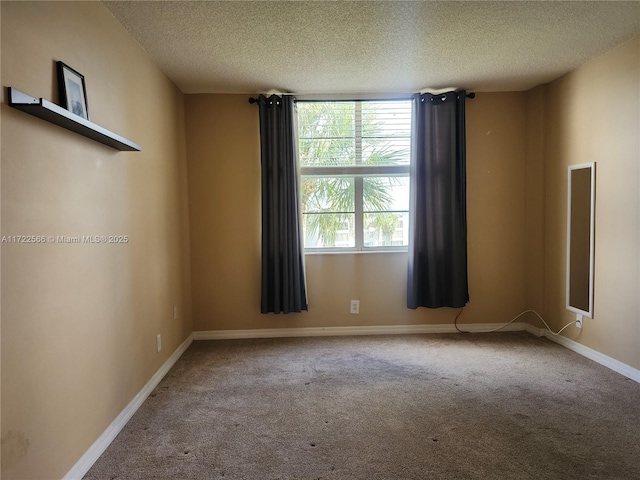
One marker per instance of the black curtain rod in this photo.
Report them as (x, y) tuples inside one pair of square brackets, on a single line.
[(255, 100)]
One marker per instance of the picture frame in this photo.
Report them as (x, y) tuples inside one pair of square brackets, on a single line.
[(72, 90)]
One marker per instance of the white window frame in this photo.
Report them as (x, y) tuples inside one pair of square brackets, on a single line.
[(358, 172)]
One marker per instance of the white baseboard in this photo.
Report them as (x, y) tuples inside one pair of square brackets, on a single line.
[(365, 330), (615, 365), (85, 463), (100, 445)]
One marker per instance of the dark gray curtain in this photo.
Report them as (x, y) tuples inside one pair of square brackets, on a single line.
[(437, 273), (283, 278)]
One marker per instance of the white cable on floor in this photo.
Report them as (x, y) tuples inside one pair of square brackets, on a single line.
[(538, 315)]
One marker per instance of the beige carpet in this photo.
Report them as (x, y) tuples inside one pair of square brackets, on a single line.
[(454, 406)]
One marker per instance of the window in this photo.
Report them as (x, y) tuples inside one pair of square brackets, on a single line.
[(354, 161)]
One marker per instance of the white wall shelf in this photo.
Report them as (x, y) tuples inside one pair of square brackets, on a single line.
[(44, 109)]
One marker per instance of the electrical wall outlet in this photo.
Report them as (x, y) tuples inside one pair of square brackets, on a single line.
[(355, 307), (578, 320), (159, 342)]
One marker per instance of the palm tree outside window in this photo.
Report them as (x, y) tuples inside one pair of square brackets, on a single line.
[(354, 162)]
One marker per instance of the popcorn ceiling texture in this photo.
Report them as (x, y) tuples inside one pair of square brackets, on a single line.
[(372, 47)]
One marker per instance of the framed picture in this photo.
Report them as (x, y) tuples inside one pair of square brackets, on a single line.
[(72, 90)]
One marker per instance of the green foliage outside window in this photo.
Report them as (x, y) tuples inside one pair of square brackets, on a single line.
[(350, 134)]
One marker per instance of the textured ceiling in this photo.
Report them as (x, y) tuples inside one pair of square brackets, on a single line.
[(308, 47)]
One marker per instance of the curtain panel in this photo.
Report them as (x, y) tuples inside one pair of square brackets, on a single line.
[(283, 275), (437, 268)]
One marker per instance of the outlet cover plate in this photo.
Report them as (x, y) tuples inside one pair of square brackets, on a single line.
[(355, 307)]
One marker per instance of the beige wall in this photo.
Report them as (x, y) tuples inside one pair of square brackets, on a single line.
[(224, 197), (593, 115), (79, 322), (535, 200)]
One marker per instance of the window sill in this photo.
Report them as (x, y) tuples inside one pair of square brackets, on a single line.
[(355, 252)]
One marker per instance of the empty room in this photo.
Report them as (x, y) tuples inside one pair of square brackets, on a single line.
[(320, 240)]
